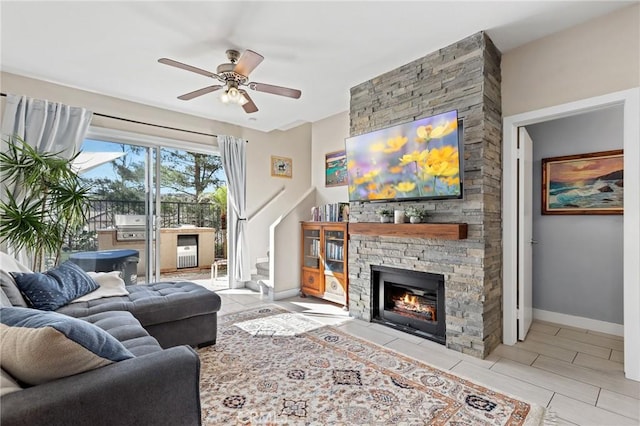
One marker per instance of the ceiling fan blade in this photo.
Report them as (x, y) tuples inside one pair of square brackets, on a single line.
[(248, 61), (200, 92), (180, 65), (275, 90), (249, 107)]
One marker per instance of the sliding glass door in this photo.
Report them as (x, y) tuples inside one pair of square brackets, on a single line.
[(163, 205)]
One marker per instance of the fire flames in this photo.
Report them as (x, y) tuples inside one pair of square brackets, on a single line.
[(411, 303), (410, 300)]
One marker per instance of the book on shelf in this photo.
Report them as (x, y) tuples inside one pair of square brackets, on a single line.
[(335, 252), (333, 212)]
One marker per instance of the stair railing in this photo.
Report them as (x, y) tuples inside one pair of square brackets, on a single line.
[(266, 203)]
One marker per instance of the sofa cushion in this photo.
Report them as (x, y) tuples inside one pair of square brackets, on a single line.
[(110, 285), (54, 288), (155, 303), (124, 327), (7, 383), (39, 346)]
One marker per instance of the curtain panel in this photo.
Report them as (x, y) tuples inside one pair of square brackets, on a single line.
[(233, 156)]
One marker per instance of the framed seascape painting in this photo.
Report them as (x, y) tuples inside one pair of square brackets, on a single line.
[(335, 168), (583, 184), (281, 167)]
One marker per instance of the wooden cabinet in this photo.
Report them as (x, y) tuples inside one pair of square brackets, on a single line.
[(324, 261)]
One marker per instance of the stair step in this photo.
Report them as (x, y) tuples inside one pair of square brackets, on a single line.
[(263, 268), (257, 283)]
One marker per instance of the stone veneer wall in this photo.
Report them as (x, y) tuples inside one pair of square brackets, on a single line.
[(463, 76)]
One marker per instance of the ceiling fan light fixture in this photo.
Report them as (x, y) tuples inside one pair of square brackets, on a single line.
[(234, 96)]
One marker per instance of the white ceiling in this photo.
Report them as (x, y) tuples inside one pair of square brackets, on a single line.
[(321, 48)]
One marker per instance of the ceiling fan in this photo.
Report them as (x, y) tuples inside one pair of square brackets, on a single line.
[(234, 75)]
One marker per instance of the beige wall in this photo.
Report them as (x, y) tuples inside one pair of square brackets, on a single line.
[(598, 57), (261, 186), (328, 135), (19, 85)]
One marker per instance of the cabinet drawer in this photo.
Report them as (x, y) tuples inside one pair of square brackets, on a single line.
[(311, 283)]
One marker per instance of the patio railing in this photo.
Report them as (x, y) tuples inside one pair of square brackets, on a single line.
[(172, 214)]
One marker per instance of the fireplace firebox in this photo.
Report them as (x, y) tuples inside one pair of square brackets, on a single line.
[(411, 301)]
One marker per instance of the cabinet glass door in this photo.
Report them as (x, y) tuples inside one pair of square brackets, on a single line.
[(312, 248), (334, 251)]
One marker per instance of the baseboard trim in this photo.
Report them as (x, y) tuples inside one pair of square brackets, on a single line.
[(580, 322), (286, 294)]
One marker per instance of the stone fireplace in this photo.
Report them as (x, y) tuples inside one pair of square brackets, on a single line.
[(464, 76)]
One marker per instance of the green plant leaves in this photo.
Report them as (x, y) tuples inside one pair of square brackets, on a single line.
[(43, 199)]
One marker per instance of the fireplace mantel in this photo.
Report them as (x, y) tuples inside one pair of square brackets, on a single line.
[(443, 231)]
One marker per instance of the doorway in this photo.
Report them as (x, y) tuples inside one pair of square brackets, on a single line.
[(577, 269), (630, 102)]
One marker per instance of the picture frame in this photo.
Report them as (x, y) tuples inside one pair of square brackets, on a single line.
[(335, 168), (281, 167), (583, 184)]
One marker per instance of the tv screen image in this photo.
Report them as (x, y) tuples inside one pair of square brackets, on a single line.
[(416, 160)]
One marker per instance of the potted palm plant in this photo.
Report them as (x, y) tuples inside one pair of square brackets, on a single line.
[(43, 201)]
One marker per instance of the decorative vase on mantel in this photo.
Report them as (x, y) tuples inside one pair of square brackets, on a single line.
[(385, 219), (415, 219)]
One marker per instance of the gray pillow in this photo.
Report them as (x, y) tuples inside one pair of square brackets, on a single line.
[(56, 287), (11, 290)]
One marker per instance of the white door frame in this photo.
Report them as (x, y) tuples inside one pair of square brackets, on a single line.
[(630, 99)]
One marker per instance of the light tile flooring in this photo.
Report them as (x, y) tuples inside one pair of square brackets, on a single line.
[(575, 373)]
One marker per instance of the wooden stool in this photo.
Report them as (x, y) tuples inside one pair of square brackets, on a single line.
[(214, 267)]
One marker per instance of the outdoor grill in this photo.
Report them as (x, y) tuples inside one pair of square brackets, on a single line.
[(130, 227)]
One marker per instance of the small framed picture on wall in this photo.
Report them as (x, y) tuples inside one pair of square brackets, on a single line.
[(335, 168), (281, 167)]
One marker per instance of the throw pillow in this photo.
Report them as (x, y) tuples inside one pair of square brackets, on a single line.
[(38, 346), (11, 290), (110, 285), (56, 287), (10, 264)]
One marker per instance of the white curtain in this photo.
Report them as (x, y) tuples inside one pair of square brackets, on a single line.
[(46, 126), (233, 156)]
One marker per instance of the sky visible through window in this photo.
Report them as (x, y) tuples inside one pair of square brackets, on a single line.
[(107, 171)]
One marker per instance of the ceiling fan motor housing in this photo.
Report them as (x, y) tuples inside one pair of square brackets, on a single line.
[(226, 71)]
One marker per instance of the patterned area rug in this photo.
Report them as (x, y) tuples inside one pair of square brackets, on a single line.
[(273, 367)]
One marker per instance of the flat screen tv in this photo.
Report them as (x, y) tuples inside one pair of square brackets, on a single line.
[(412, 161)]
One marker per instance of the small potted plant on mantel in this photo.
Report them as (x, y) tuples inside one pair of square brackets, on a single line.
[(416, 214), (385, 215)]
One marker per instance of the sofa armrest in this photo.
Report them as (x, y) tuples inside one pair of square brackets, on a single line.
[(154, 389)]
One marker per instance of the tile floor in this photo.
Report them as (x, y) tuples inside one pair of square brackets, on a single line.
[(576, 373)]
